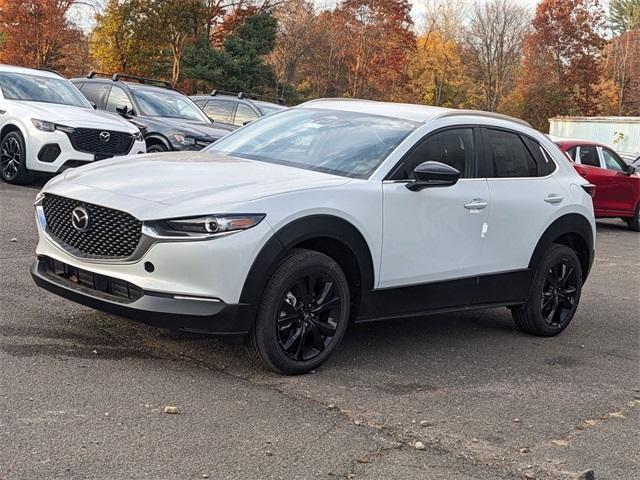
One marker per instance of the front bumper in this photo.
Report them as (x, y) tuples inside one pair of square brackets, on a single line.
[(159, 309)]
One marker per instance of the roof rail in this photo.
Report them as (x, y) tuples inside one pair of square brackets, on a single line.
[(143, 80), (93, 74), (249, 95), (480, 113)]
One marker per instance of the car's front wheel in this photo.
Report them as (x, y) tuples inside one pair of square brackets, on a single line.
[(303, 313), (13, 160), (554, 295), (634, 222)]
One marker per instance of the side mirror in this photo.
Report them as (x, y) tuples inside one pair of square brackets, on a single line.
[(124, 110), (93, 104), (433, 174), (247, 122), (631, 169)]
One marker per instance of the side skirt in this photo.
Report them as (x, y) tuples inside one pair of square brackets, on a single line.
[(485, 291)]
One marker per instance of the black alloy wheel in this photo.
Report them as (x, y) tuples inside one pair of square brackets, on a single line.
[(11, 157), (302, 315), (554, 294), (558, 293), (308, 317)]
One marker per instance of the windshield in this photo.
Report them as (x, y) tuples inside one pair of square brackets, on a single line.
[(350, 144), (167, 103), (37, 88)]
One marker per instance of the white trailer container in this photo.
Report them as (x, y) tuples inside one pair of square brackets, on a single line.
[(621, 133)]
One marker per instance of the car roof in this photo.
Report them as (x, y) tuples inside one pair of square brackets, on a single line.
[(405, 111), (569, 143), (29, 71)]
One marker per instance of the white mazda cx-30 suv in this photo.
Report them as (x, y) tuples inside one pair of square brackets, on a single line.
[(334, 211), (47, 125)]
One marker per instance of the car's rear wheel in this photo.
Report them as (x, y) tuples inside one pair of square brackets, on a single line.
[(302, 315), (634, 222), (13, 160), (554, 295)]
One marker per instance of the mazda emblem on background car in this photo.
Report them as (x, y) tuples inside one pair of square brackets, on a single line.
[(80, 219), (105, 136)]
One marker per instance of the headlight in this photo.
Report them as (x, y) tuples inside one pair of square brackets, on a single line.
[(204, 227), (43, 125), (184, 139), (137, 137)]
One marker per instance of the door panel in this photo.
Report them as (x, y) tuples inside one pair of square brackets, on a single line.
[(430, 235), (617, 191)]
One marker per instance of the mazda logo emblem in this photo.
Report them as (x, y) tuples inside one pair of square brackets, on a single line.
[(80, 219), (105, 136)]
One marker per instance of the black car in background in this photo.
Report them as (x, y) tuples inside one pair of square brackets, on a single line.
[(167, 118), (234, 110)]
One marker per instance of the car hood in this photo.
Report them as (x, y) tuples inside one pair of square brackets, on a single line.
[(184, 183), (196, 129), (77, 116)]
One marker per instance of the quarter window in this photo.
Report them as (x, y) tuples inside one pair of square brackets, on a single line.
[(118, 98), (509, 155), (244, 115), (220, 110), (611, 161), (453, 147), (589, 156), (544, 163)]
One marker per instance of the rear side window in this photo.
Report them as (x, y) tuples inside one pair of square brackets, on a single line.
[(509, 155), (544, 163), (571, 153), (95, 92), (220, 110), (589, 156)]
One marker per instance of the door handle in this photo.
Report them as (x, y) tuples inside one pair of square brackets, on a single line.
[(554, 198), (476, 204)]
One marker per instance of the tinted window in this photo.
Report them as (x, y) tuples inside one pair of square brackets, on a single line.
[(544, 163), (220, 110), (612, 162), (350, 144), (37, 88), (589, 156), (452, 147), (571, 153), (95, 92), (244, 114), (509, 155), (118, 98), (160, 102)]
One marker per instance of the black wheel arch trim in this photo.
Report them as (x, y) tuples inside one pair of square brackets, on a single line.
[(297, 232), (158, 137), (562, 230)]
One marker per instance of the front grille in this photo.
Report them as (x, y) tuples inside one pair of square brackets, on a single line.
[(89, 140), (111, 233), (109, 286)]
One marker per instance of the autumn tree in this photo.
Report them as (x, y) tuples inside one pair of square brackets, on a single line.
[(625, 15), (37, 33), (492, 46), (562, 61)]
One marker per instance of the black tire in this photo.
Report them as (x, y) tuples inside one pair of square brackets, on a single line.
[(554, 295), (302, 315), (156, 147), (634, 222), (13, 160)]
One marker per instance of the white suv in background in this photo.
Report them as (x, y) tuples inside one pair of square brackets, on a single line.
[(47, 125), (286, 230)]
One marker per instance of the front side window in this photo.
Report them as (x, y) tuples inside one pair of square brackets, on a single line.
[(37, 88), (244, 115), (118, 98), (158, 102), (453, 147), (589, 156), (612, 162), (350, 144), (219, 110), (95, 92), (509, 155)]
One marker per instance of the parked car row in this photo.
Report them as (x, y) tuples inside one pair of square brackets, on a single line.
[(49, 124)]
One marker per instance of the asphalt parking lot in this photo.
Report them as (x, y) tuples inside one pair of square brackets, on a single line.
[(82, 393)]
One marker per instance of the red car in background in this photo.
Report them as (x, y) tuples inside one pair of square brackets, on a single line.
[(617, 192)]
